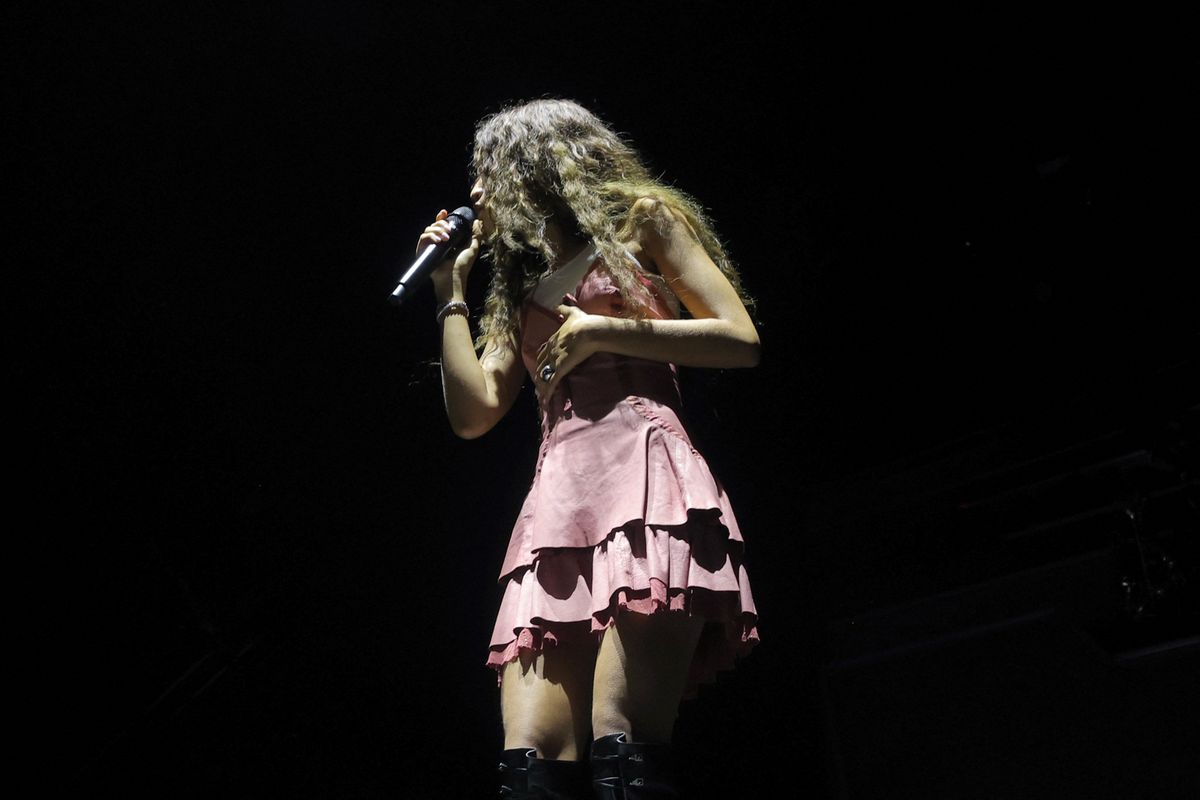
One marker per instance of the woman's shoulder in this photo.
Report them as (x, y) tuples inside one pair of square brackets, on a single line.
[(655, 223), (654, 215)]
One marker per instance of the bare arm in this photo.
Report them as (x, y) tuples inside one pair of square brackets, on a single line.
[(478, 391), (721, 334)]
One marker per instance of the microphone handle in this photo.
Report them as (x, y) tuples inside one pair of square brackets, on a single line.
[(435, 253)]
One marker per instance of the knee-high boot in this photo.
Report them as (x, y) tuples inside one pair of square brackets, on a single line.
[(514, 773), (623, 770), (524, 776)]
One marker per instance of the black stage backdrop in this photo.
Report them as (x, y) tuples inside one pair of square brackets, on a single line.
[(275, 566)]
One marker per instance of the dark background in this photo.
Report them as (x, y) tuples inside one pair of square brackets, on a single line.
[(275, 565)]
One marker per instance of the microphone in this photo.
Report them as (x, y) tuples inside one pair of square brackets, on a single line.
[(435, 253)]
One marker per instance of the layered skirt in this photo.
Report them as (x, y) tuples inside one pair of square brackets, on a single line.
[(623, 516)]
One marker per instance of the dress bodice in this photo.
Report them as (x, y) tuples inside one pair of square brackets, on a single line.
[(603, 377)]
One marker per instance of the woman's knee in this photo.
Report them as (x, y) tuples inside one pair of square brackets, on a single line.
[(641, 672), (545, 703)]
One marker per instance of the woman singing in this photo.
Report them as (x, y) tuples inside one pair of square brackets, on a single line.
[(623, 584)]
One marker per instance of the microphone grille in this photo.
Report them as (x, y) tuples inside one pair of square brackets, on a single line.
[(465, 212)]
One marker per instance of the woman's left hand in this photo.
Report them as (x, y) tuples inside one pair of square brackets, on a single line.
[(566, 348)]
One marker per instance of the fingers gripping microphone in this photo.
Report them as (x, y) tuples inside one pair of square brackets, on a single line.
[(435, 253)]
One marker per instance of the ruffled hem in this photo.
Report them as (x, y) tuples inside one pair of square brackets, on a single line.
[(691, 570)]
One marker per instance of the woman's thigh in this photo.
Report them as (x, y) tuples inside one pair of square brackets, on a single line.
[(641, 672), (546, 701)]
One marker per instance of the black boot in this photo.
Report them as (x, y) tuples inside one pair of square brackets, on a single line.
[(606, 769), (624, 770), (514, 773), (524, 776)]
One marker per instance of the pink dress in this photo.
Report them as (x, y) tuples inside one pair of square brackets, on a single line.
[(623, 513)]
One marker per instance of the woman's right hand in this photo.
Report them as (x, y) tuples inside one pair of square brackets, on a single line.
[(450, 277)]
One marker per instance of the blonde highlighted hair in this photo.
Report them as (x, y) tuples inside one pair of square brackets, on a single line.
[(553, 160)]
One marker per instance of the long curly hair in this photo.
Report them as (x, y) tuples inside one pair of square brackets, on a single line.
[(553, 160)]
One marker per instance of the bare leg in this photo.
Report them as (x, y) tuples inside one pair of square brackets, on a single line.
[(641, 672), (545, 702)]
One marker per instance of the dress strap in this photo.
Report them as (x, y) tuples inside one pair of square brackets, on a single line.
[(565, 279)]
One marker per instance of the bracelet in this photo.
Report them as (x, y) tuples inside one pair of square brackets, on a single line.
[(452, 307)]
